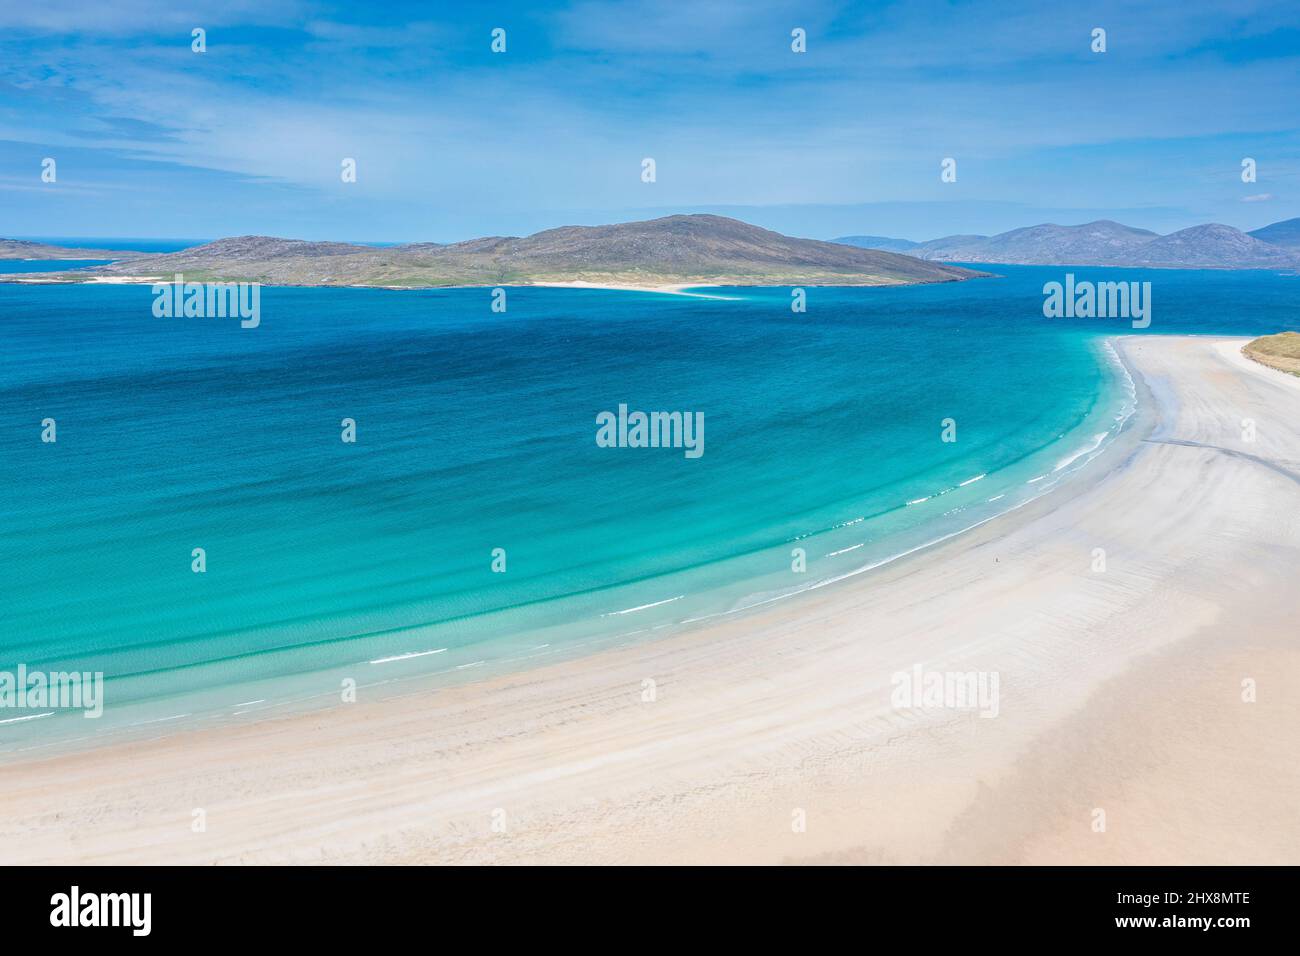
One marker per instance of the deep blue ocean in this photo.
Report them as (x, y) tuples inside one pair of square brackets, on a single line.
[(475, 430), (8, 266)]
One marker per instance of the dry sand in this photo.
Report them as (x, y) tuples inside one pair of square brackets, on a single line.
[(1120, 691), (92, 279), (678, 289)]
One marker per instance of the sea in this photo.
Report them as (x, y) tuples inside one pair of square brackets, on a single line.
[(202, 534)]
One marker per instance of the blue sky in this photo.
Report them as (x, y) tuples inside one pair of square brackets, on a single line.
[(453, 141)]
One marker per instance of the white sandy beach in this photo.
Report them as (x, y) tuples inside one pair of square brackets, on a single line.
[(681, 290), (623, 287), (1120, 691), (86, 280)]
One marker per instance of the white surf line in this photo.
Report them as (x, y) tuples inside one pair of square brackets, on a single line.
[(817, 585), (644, 606), (847, 550), (1097, 439), (14, 720), (461, 667), (539, 647), (996, 497), (1032, 480), (157, 720), (406, 657), (260, 700), (917, 501), (971, 481)]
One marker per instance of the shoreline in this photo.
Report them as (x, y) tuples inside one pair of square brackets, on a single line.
[(673, 289), (788, 711), (678, 288)]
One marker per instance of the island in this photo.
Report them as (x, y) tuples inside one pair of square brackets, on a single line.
[(665, 254)]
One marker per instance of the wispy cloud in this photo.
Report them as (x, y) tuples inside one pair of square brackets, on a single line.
[(448, 135)]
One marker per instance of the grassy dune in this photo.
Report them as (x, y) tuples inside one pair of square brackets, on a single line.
[(1280, 351)]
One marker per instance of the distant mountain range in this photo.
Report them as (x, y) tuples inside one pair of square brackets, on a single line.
[(1285, 233), (673, 251), (1107, 243), (694, 250), (883, 243)]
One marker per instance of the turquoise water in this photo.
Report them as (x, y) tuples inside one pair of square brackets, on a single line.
[(475, 431)]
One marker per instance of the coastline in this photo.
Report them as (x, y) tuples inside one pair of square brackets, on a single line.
[(789, 709), (679, 288), (672, 289)]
